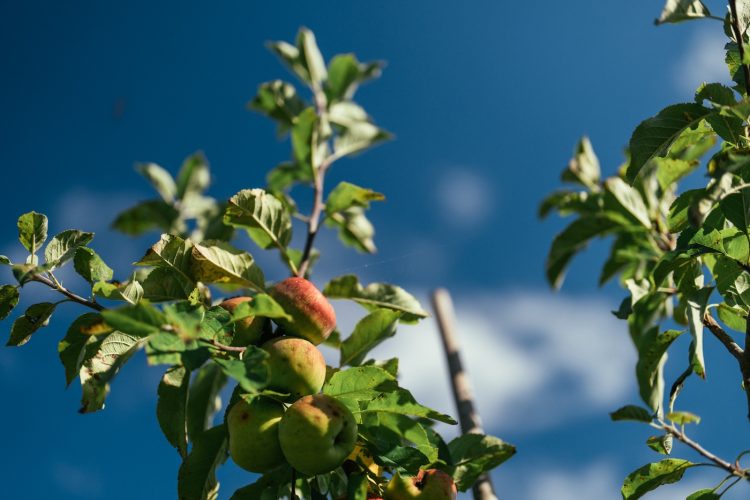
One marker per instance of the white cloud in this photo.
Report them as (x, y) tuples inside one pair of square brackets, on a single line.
[(701, 61), (77, 481), (535, 359), (596, 481), (464, 197)]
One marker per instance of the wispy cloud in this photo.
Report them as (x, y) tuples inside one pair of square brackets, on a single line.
[(464, 197), (77, 481), (701, 61)]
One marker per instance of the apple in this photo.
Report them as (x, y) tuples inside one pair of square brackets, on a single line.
[(430, 484), (317, 433), (248, 330), (254, 434), (295, 366), (313, 316)]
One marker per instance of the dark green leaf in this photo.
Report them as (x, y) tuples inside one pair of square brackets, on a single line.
[(90, 266), (697, 302), (72, 348), (651, 476), (8, 300), (4, 260), (651, 349), (220, 262), (475, 454), (251, 372), (654, 136), (347, 195), (302, 139), (147, 216), (196, 479), (631, 412), (164, 284), (130, 291), (704, 494), (345, 72), (35, 317), (376, 295), (679, 212), (203, 399), (138, 321), (278, 100), (32, 231), (368, 333), (63, 246), (171, 407)]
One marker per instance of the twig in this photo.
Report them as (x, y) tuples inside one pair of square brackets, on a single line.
[(733, 469), (740, 47), (726, 339), (294, 485), (72, 296), (745, 365), (462, 394), (224, 347)]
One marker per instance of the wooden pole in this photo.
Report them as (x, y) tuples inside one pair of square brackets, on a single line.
[(468, 417)]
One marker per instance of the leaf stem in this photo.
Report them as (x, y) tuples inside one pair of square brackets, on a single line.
[(224, 347), (740, 47), (70, 295)]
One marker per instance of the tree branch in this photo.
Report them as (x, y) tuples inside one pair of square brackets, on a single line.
[(726, 339), (741, 48), (733, 469), (224, 347), (70, 295)]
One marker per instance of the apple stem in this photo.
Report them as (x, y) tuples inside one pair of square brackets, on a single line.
[(468, 417), (294, 484)]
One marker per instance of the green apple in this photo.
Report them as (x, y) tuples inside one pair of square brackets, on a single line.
[(431, 484), (313, 316), (254, 434), (317, 433), (295, 366), (248, 330)]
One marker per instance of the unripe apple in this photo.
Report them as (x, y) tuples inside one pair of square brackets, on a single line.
[(431, 484), (247, 330), (254, 434), (313, 316), (294, 366), (317, 433)]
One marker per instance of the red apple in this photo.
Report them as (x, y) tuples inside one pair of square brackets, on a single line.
[(248, 330), (295, 366), (431, 484), (313, 316)]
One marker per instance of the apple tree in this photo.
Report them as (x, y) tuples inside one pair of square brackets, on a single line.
[(682, 255), (203, 310)]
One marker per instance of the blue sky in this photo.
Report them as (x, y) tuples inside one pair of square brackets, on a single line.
[(486, 100)]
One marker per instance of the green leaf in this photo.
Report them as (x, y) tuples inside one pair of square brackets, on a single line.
[(683, 417), (651, 357), (407, 429), (583, 168), (147, 216), (654, 136), (130, 291), (63, 247), (358, 136), (676, 11), (376, 295), (355, 230), (196, 479), (475, 454), (220, 262), (736, 208), (697, 302), (251, 372), (164, 284), (90, 266), (194, 177), (632, 412), (72, 348), (629, 199), (347, 195), (173, 253), (356, 488), (171, 407), (279, 101), (286, 175), (203, 399), (732, 317), (32, 231), (679, 211), (345, 72), (660, 444), (5, 260), (368, 333), (311, 57), (671, 170), (651, 476), (8, 300), (35, 317), (402, 402), (262, 215), (262, 305), (102, 361), (302, 139), (139, 320), (160, 179), (704, 494), (361, 383)]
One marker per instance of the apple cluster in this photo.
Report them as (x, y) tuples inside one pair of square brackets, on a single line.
[(312, 432)]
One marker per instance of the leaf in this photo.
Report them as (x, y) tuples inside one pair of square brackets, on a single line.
[(671, 170), (196, 479), (160, 179), (347, 195), (220, 262), (35, 317), (651, 357), (676, 11), (345, 72), (660, 444), (171, 252), (279, 101), (368, 333), (357, 137), (286, 175), (732, 317), (360, 383), (311, 57), (8, 300), (131, 291), (262, 215), (262, 305), (583, 168), (147, 216), (165, 284), (90, 266), (139, 320), (401, 402), (407, 429), (654, 136), (32, 231), (203, 399), (651, 476), (4, 260), (704, 494), (736, 208), (683, 417), (251, 372), (475, 454), (103, 360), (72, 347), (302, 139), (376, 295), (697, 302), (355, 230), (63, 247), (171, 407), (629, 199), (631, 412), (194, 176), (679, 211)]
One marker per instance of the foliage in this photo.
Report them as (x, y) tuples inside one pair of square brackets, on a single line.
[(167, 306), (683, 256)]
